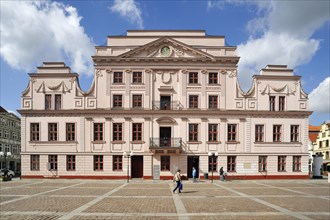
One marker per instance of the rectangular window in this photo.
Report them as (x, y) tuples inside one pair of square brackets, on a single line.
[(137, 77), (58, 102), (98, 162), (98, 131), (281, 103), (117, 101), (277, 133), (137, 101), (262, 163), (165, 163), (259, 133), (52, 160), (48, 102), (271, 103), (231, 164), (294, 133), (193, 77), (296, 166), (118, 77), (213, 132), (232, 132), (213, 78), (137, 132), (213, 102), (213, 163), (70, 132), (70, 162), (281, 164), (34, 132), (117, 132), (193, 132), (193, 101), (52, 132), (35, 162), (117, 163)]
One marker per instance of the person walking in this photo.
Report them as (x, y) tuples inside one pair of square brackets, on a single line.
[(177, 179), (194, 174), (222, 177)]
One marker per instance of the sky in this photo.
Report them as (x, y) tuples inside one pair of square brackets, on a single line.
[(294, 33)]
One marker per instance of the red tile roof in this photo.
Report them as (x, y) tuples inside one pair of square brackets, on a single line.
[(314, 128), (313, 137)]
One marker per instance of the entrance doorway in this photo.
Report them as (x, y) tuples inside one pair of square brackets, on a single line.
[(137, 166), (165, 102), (165, 136), (193, 161)]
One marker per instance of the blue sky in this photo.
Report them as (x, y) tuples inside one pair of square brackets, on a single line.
[(295, 33)]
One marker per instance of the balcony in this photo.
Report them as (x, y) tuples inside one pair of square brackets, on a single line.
[(166, 145), (166, 105)]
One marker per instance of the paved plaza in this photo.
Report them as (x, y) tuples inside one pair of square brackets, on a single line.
[(146, 200)]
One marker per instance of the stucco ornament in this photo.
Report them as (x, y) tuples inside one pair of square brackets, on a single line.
[(166, 75), (233, 74), (99, 73), (268, 88)]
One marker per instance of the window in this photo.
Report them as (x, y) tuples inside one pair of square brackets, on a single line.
[(98, 162), (118, 77), (213, 163), (271, 103), (213, 102), (232, 132), (193, 77), (35, 162), (281, 103), (70, 162), (58, 102), (52, 132), (165, 163), (6, 134), (193, 132), (117, 130), (326, 143), (70, 132), (34, 132), (52, 160), (262, 163), (231, 164), (117, 163), (48, 102), (213, 78), (137, 101), (213, 132), (259, 133), (137, 77), (281, 164), (296, 167), (98, 131), (193, 101), (277, 133), (117, 101), (294, 133), (137, 132)]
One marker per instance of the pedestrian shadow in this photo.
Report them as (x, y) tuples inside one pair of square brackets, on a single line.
[(190, 191)]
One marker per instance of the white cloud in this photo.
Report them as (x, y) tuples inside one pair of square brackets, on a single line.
[(37, 31), (129, 10), (215, 4), (319, 98)]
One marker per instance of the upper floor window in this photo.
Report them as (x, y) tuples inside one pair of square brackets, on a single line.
[(70, 162), (48, 102), (277, 133), (259, 133), (52, 131), (70, 132), (213, 132), (213, 102), (193, 101), (281, 166), (271, 103), (98, 162), (281, 103), (118, 77), (294, 133), (58, 102), (296, 166), (262, 163), (193, 132), (52, 161), (137, 77), (117, 163), (34, 162), (165, 163), (137, 101), (193, 77), (137, 132), (232, 132), (213, 78), (34, 132), (117, 134), (117, 101), (98, 131), (231, 164)]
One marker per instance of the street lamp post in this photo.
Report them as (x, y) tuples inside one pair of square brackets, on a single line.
[(5, 155), (128, 155), (213, 156)]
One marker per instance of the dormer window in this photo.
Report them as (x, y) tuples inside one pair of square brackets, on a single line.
[(281, 103), (58, 102), (271, 103), (48, 102)]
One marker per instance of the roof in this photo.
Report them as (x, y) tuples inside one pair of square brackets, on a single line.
[(313, 137), (314, 128), (2, 110)]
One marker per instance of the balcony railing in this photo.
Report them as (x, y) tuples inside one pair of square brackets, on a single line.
[(166, 105), (165, 142)]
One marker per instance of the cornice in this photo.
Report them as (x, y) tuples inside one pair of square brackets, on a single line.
[(53, 74)]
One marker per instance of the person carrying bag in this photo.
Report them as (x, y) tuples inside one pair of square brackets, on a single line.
[(177, 179)]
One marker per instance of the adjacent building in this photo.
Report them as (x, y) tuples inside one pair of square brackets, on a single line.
[(321, 145), (313, 132), (162, 101)]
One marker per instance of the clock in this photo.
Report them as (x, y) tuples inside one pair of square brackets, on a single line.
[(166, 51)]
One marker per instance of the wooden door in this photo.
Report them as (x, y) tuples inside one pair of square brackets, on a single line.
[(137, 166)]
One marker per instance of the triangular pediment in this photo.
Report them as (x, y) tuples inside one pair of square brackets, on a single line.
[(166, 47)]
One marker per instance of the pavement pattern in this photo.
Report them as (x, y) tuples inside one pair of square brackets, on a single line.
[(50, 199)]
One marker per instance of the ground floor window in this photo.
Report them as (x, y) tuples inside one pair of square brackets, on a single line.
[(117, 163), (296, 167), (231, 164), (165, 163), (213, 163), (98, 162), (35, 162), (281, 163), (70, 162), (262, 163), (52, 160)]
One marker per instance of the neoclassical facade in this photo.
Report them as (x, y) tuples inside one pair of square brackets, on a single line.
[(162, 101)]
